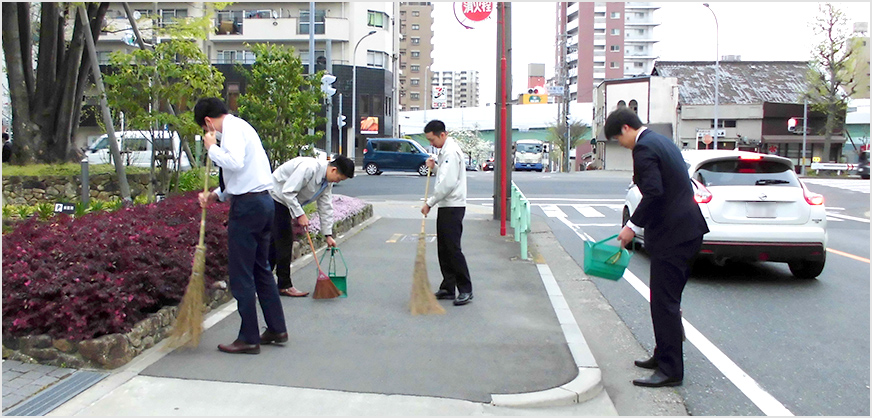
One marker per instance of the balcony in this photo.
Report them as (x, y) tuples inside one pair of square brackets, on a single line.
[(276, 30)]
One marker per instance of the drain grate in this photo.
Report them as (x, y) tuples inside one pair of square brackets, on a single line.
[(56, 394)]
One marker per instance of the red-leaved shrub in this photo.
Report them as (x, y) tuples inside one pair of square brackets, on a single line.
[(101, 273)]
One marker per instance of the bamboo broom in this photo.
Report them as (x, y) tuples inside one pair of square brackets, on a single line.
[(189, 322), (423, 300), (324, 287)]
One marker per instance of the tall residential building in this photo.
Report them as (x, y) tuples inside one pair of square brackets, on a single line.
[(459, 87), (343, 47), (416, 47), (604, 40), (860, 39)]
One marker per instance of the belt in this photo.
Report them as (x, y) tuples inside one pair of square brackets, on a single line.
[(250, 194)]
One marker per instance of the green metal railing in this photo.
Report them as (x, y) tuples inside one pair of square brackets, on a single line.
[(520, 218)]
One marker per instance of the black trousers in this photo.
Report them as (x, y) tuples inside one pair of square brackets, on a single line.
[(670, 269), (248, 236), (452, 262), (282, 245)]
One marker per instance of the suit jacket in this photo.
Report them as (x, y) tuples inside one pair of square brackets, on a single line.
[(667, 210)]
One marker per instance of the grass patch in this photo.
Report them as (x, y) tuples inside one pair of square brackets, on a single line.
[(66, 169)]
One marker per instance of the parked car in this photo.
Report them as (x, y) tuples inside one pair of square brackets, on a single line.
[(863, 165), (756, 209), (136, 148), (488, 165), (394, 154)]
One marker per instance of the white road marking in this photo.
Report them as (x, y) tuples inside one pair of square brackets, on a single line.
[(745, 383), (588, 211), (846, 217)]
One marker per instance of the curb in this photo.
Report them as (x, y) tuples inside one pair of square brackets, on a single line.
[(587, 384)]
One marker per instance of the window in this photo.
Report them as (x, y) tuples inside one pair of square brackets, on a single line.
[(413, 108), (622, 103), (233, 56), (415, 96), (638, 64), (416, 13), (229, 22), (171, 15), (634, 105), (103, 57), (415, 81), (616, 31), (615, 48), (415, 68), (416, 54), (376, 19), (416, 26), (303, 26), (724, 123), (616, 15), (376, 59), (304, 56), (416, 40), (613, 64)]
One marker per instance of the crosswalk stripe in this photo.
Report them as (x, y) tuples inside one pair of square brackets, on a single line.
[(588, 211), (552, 211)]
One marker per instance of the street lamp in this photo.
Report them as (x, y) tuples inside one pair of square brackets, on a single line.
[(717, 72), (354, 122)]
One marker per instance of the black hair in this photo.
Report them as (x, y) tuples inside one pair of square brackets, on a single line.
[(435, 126), (212, 107), (617, 119), (344, 164)]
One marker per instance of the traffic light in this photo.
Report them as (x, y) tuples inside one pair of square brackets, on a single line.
[(326, 81), (340, 120)]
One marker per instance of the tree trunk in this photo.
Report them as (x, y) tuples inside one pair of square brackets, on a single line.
[(24, 131)]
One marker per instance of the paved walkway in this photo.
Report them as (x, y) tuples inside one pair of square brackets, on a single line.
[(516, 350)]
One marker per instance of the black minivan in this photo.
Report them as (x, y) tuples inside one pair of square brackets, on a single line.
[(394, 154)]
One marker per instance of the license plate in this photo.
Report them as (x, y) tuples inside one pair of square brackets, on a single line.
[(760, 209)]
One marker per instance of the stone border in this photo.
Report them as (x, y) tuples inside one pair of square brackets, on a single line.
[(115, 350)]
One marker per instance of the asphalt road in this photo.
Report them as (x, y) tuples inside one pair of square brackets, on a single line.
[(762, 341)]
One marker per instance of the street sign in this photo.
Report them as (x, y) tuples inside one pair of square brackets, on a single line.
[(555, 90)]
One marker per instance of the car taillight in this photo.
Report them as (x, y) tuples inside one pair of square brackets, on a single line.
[(700, 193), (812, 198)]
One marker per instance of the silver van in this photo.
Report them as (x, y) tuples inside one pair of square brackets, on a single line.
[(136, 148)]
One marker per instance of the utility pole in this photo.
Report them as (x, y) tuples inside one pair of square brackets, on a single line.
[(311, 47)]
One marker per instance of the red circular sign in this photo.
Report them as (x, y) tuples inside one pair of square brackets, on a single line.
[(773, 149), (477, 10)]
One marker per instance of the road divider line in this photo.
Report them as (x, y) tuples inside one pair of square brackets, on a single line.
[(846, 217), (851, 256)]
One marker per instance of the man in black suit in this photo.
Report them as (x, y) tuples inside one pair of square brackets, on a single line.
[(674, 227)]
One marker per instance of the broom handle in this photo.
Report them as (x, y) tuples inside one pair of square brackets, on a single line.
[(205, 190), (426, 190), (312, 246)]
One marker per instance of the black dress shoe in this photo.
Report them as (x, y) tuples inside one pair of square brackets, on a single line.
[(650, 363), (269, 337), (240, 347), (463, 299), (656, 380), (444, 294)]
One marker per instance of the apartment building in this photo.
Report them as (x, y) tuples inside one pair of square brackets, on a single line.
[(342, 41), (416, 47), (604, 40), (460, 88)]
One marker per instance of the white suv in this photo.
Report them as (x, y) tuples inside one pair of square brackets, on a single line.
[(756, 209)]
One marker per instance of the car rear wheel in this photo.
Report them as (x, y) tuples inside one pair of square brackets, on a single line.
[(422, 169), (806, 269), (372, 169)]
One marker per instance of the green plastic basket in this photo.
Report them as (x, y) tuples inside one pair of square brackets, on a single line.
[(332, 266), (602, 260)]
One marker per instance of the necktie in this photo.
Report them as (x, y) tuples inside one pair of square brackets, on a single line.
[(315, 196), (221, 179)]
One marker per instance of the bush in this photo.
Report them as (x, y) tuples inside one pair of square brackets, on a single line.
[(101, 273)]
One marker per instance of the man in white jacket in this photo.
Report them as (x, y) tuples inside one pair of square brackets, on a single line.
[(450, 194), (296, 183)]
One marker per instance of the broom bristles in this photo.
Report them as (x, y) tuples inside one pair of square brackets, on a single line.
[(188, 325), (325, 289), (423, 300)]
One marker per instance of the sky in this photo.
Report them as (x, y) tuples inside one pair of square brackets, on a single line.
[(756, 31)]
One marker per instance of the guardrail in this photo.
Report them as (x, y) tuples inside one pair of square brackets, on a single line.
[(520, 218), (833, 166)]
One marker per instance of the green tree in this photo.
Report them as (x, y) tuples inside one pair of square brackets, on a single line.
[(830, 78), (154, 85), (557, 137), (47, 98), (281, 101)]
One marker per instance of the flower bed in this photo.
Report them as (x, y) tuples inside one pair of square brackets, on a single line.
[(97, 290)]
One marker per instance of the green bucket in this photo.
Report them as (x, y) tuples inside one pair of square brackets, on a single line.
[(605, 260), (332, 270)]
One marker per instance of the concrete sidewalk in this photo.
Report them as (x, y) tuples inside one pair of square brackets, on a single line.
[(516, 350)]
